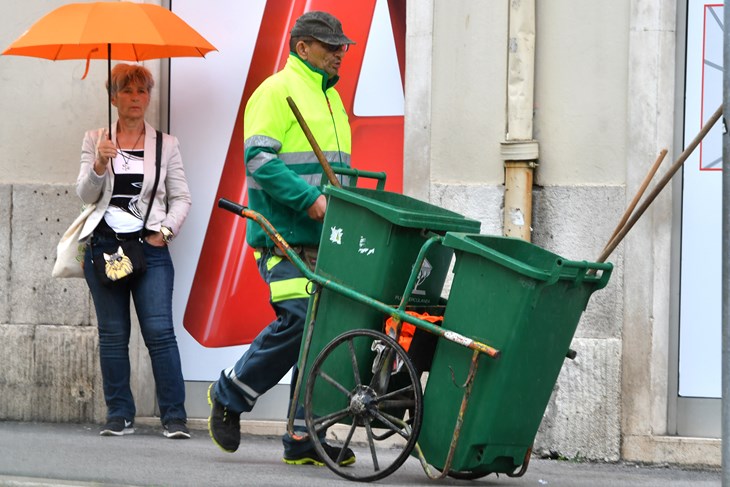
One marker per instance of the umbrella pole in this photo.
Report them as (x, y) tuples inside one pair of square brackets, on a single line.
[(109, 84)]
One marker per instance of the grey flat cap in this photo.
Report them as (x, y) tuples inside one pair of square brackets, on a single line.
[(322, 26)]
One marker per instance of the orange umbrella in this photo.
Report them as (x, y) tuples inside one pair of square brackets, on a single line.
[(122, 31)]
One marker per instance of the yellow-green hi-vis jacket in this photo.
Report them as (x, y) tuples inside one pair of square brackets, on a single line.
[(283, 174)]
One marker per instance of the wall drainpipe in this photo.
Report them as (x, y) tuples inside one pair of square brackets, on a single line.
[(519, 151)]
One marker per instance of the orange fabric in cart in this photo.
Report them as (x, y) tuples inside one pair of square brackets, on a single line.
[(407, 330)]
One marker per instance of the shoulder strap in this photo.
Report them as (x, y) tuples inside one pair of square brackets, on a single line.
[(158, 162)]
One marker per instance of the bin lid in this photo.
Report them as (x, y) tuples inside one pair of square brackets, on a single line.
[(528, 259), (405, 211)]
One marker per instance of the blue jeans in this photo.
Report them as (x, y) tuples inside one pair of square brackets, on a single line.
[(273, 352), (152, 294)]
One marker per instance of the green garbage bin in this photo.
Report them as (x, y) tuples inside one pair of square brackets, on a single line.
[(369, 244), (526, 302)]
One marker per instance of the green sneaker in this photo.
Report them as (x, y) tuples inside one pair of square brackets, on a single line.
[(311, 457), (224, 426)]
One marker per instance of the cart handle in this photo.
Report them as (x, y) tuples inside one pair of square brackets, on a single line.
[(229, 205), (269, 229), (367, 300)]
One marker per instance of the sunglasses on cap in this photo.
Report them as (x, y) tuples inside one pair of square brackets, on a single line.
[(335, 47)]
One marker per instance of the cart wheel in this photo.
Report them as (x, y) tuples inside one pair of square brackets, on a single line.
[(365, 381)]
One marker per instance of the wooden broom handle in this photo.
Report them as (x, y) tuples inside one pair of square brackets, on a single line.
[(630, 209), (313, 142), (660, 185)]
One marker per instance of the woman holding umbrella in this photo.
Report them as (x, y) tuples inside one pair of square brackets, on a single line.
[(118, 173)]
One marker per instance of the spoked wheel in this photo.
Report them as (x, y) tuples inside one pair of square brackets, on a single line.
[(364, 382)]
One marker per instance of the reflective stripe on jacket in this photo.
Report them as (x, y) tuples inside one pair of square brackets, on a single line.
[(283, 174)]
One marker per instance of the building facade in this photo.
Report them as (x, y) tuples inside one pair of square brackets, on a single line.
[(608, 91)]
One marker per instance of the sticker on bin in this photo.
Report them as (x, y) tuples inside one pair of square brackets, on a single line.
[(364, 248), (423, 274), (457, 338), (336, 235)]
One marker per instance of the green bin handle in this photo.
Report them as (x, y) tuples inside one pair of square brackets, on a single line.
[(356, 173), (605, 267)]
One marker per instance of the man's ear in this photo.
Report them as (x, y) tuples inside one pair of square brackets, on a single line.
[(302, 49)]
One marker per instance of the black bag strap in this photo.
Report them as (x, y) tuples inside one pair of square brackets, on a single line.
[(158, 163)]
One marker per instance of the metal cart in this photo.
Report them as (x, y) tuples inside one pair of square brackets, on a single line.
[(468, 396)]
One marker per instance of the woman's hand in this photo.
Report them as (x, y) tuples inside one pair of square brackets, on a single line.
[(155, 239), (105, 152)]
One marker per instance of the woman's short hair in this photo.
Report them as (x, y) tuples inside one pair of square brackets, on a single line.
[(125, 74)]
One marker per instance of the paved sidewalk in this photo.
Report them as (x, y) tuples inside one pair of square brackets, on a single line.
[(46, 454)]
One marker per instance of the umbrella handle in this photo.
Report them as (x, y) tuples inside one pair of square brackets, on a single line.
[(109, 84)]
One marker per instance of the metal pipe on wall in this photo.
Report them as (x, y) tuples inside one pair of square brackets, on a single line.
[(519, 151)]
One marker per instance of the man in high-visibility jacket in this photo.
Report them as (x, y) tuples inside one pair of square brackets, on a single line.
[(283, 176)]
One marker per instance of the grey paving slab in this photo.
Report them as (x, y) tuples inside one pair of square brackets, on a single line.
[(47, 454)]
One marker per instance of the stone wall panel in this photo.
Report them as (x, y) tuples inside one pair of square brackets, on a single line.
[(17, 356), (576, 223), (67, 380), (5, 218), (41, 214), (582, 420)]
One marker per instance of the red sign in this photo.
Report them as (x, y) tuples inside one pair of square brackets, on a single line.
[(229, 302)]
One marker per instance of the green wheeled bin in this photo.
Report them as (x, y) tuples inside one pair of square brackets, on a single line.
[(370, 242), (526, 302)]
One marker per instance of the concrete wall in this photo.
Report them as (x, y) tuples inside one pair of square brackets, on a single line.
[(48, 337), (604, 108), (580, 114), (48, 106)]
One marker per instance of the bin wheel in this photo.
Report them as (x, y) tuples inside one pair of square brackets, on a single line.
[(378, 402), (467, 475)]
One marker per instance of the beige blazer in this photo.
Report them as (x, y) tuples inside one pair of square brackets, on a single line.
[(172, 200)]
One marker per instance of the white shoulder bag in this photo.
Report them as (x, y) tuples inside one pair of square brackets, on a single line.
[(70, 252)]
